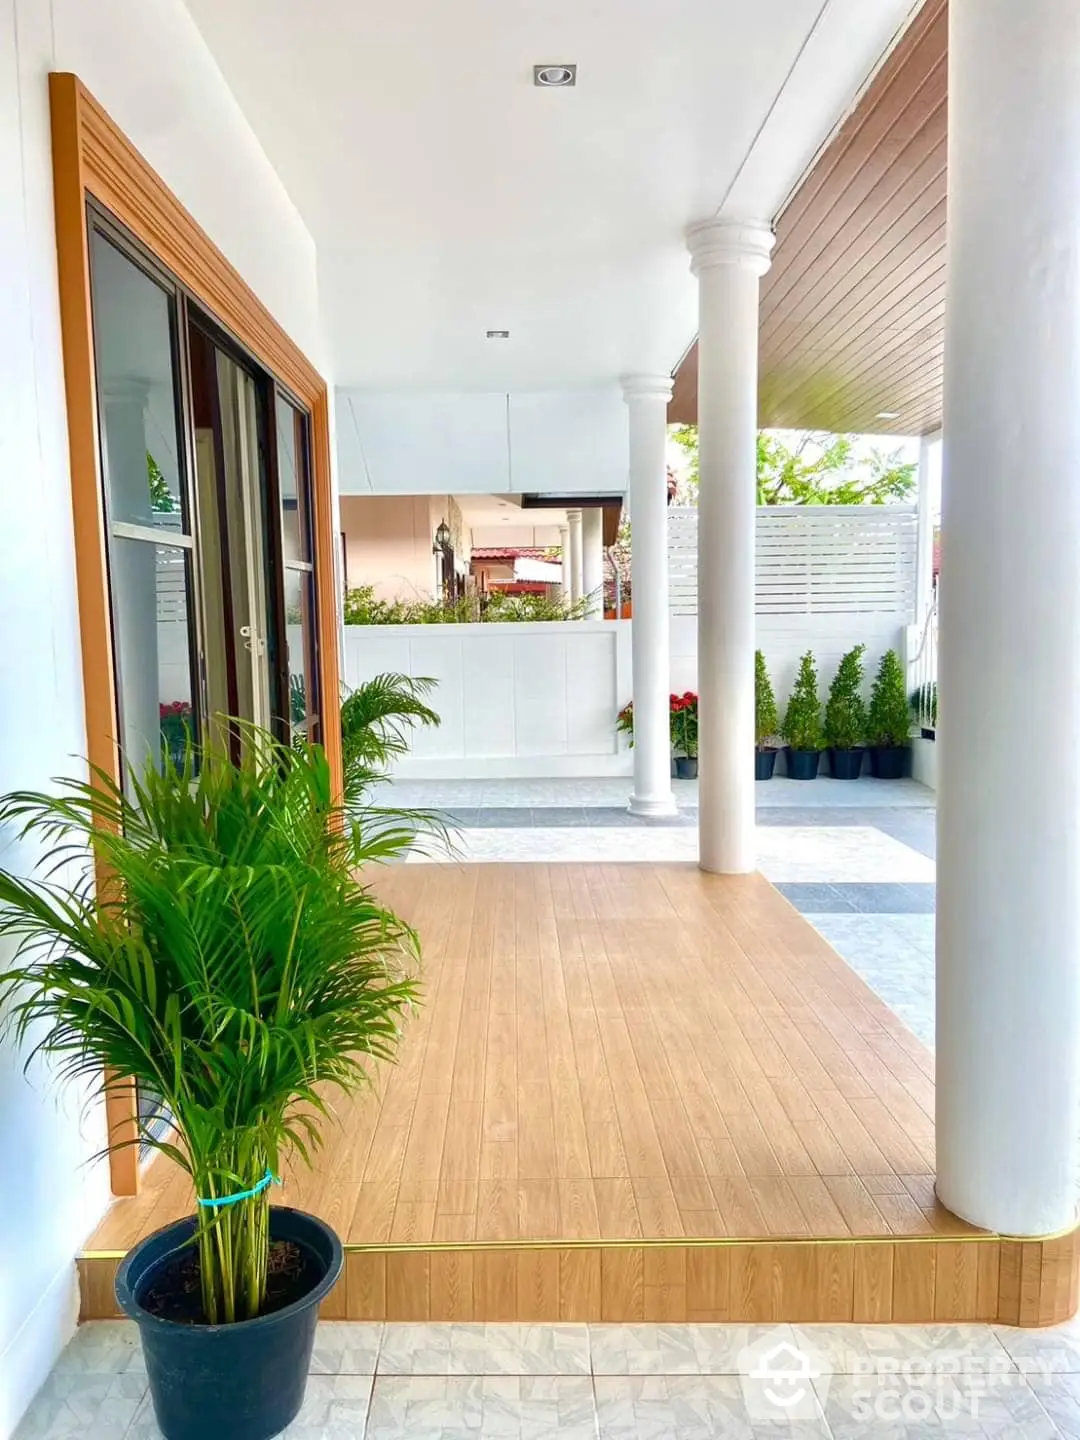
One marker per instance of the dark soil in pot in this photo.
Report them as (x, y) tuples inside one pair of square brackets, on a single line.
[(802, 764), (846, 764), (764, 764), (244, 1381), (888, 762), (686, 767)]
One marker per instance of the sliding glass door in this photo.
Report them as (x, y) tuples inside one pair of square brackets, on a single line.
[(205, 460)]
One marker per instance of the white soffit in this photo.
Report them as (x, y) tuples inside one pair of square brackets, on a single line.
[(449, 196)]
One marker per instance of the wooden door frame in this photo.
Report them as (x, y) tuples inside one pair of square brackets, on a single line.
[(92, 158)]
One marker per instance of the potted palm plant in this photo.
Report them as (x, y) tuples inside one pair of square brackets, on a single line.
[(233, 961), (845, 717), (766, 722), (802, 723), (889, 725)]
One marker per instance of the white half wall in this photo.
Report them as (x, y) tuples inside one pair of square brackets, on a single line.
[(515, 700), (541, 700), (146, 63), (784, 639)]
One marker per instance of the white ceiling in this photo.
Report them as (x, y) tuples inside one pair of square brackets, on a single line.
[(447, 195)]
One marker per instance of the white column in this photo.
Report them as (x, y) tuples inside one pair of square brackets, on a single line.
[(564, 546), (924, 568), (592, 561), (1008, 919), (574, 518), (728, 259), (647, 397)]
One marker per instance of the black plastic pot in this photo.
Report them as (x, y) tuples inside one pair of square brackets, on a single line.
[(686, 767), (846, 764), (802, 764), (888, 762), (244, 1381), (764, 764)]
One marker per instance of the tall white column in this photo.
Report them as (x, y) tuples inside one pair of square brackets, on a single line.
[(564, 547), (574, 518), (1008, 919), (728, 258), (924, 568), (592, 561), (647, 397)]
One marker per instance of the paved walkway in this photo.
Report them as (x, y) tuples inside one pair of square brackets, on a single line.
[(578, 1382)]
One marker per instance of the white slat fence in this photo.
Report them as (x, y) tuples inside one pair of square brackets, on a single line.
[(814, 560)]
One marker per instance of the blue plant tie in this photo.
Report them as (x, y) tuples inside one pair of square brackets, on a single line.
[(268, 1179)]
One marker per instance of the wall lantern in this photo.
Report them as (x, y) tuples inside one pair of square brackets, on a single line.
[(442, 538)]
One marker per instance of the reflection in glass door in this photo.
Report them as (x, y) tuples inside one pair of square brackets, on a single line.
[(229, 451)]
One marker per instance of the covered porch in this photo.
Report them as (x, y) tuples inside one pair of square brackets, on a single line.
[(637, 1092)]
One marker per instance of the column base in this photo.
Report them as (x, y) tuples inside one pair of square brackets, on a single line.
[(653, 807)]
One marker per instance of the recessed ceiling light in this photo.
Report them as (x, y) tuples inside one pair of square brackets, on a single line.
[(887, 415), (497, 334), (554, 76)]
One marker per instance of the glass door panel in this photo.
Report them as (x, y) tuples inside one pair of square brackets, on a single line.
[(294, 491), (229, 450), (148, 516)]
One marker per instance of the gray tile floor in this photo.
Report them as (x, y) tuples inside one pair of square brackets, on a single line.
[(687, 1382)]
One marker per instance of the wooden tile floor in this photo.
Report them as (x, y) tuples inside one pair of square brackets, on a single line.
[(617, 1052)]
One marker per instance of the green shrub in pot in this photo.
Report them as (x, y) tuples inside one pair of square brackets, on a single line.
[(845, 716), (766, 720), (889, 721), (801, 729)]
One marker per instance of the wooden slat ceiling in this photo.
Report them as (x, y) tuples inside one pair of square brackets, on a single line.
[(852, 311)]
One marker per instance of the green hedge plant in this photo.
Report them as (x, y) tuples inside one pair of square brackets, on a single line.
[(890, 712), (802, 719), (766, 720), (845, 712)]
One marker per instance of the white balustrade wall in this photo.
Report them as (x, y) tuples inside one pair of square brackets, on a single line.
[(541, 700)]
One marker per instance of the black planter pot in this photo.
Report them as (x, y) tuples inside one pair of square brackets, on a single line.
[(802, 764), (245, 1381), (764, 764), (888, 762), (674, 767), (686, 767), (846, 764)]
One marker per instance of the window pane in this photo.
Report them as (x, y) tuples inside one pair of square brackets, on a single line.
[(133, 336), (292, 480), (151, 608), (299, 630)]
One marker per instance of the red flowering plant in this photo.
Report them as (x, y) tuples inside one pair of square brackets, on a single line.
[(624, 721), (175, 720), (683, 717)]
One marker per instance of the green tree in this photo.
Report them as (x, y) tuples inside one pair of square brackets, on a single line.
[(802, 721), (890, 715), (820, 469), (845, 713), (766, 721)]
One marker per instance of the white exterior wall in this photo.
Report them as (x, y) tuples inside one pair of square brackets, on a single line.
[(515, 700), (146, 63), (784, 639), (541, 700)]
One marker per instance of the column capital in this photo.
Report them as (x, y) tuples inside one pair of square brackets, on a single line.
[(647, 387), (747, 243)]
